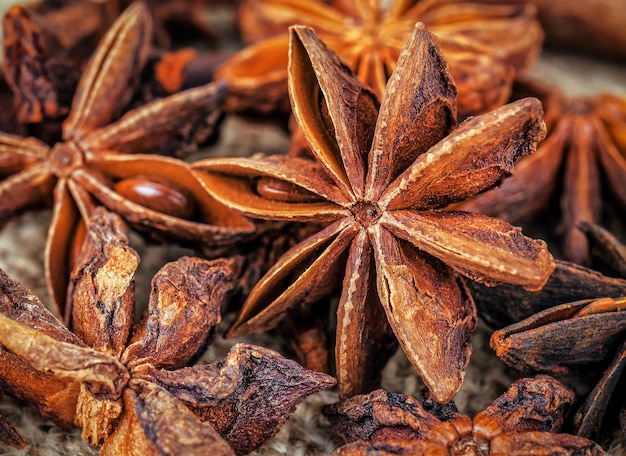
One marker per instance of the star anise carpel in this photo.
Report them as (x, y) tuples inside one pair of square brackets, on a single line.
[(41, 75), (379, 179), (130, 387), (9, 435), (485, 46), (525, 420), (115, 162), (584, 332), (583, 153), (77, 25)]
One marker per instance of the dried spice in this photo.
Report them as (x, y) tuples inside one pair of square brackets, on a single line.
[(8, 120), (9, 435), (485, 46), (305, 328), (43, 74), (524, 420), (127, 385), (574, 336), (40, 73), (578, 26), (77, 25), (585, 136), (115, 163), (399, 256), (178, 21), (568, 283)]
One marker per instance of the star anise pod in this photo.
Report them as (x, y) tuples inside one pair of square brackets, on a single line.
[(8, 120), (577, 26), (485, 46), (576, 335), (524, 420), (586, 144), (80, 23), (114, 163), (569, 282), (40, 74), (127, 385), (9, 435), (76, 25), (178, 20), (43, 73), (379, 180), (42, 77)]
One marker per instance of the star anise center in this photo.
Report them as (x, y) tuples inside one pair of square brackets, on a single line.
[(366, 213), (65, 158), (469, 447), (371, 35)]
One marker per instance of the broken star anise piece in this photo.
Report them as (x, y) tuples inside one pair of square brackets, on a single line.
[(177, 21), (78, 25), (379, 178), (115, 163), (577, 26), (576, 335), (485, 46), (569, 282), (39, 72), (585, 136), (9, 435), (127, 385), (524, 420)]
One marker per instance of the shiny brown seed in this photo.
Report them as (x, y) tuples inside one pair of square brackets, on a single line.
[(277, 190), (158, 196)]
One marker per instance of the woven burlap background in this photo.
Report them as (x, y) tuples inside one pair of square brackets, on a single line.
[(306, 433)]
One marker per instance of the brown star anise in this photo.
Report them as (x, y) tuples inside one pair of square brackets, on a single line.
[(43, 73), (380, 177), (485, 46), (576, 335), (115, 163), (577, 26), (177, 20), (78, 25), (127, 385), (569, 282), (585, 136), (9, 435), (40, 73), (525, 420)]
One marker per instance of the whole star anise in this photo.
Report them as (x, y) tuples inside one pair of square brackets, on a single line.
[(485, 46), (127, 385), (115, 163), (525, 420), (379, 178), (586, 334), (585, 136)]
